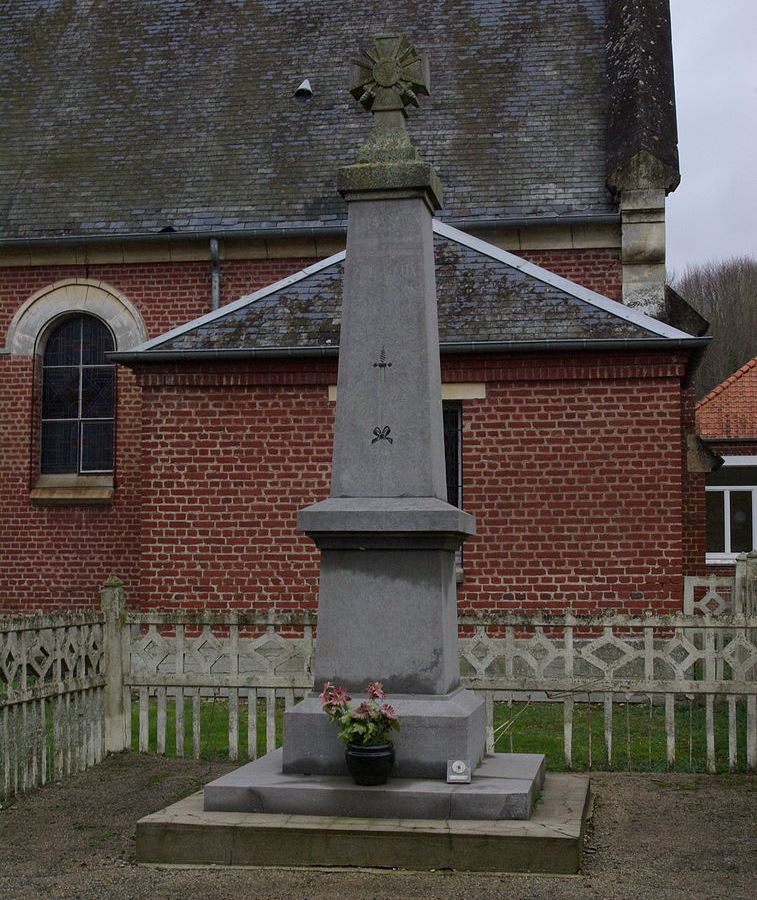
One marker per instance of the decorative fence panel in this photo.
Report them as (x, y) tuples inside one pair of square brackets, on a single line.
[(52, 682), (653, 659), (180, 661), (260, 660), (68, 683)]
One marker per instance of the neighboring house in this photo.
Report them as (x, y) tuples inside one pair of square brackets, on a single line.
[(156, 166), (727, 422)]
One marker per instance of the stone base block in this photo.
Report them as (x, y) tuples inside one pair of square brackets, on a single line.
[(504, 786), (550, 842), (435, 728)]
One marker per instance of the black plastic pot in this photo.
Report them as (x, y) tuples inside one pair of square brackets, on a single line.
[(370, 765)]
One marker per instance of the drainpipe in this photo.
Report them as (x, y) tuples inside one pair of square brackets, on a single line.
[(215, 275)]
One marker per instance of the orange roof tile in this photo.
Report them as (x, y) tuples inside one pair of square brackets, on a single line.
[(729, 411)]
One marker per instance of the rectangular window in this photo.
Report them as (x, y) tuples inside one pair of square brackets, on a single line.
[(731, 522), (453, 426)]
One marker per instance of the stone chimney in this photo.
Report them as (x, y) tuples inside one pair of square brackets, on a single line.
[(642, 142)]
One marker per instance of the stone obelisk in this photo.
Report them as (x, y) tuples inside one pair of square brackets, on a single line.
[(387, 536)]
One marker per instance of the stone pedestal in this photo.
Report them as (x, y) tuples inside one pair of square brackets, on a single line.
[(435, 728), (387, 611)]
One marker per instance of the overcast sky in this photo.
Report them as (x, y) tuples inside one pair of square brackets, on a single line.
[(713, 213)]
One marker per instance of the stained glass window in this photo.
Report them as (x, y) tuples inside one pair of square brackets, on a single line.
[(78, 395)]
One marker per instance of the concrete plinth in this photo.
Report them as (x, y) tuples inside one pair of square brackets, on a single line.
[(434, 728), (550, 842), (504, 786)]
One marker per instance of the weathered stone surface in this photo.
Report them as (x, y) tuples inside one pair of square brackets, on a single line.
[(433, 729), (388, 615), (388, 430), (505, 789), (387, 603)]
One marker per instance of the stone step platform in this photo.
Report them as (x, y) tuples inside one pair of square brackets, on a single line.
[(504, 786), (549, 842)]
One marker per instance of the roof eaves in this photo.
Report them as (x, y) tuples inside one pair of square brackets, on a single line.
[(130, 357), (655, 327)]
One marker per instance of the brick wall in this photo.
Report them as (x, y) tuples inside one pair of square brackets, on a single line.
[(598, 269), (733, 448), (58, 557), (695, 530), (228, 459), (572, 467)]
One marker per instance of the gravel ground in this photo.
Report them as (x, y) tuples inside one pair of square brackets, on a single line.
[(652, 836)]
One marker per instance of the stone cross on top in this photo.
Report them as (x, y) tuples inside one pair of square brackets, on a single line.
[(390, 76)]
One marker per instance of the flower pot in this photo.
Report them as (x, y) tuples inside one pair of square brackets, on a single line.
[(370, 765)]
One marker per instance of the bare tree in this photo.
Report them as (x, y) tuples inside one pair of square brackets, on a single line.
[(725, 293)]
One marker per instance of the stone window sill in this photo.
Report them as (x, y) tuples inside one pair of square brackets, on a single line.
[(73, 490)]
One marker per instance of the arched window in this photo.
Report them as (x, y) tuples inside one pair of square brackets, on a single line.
[(78, 394)]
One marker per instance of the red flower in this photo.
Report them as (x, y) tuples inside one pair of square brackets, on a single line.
[(376, 690)]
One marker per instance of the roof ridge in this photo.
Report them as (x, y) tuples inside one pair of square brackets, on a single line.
[(718, 389)]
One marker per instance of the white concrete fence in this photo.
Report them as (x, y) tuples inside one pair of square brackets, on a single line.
[(68, 681)]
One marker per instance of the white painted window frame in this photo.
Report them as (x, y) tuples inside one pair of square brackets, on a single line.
[(728, 558)]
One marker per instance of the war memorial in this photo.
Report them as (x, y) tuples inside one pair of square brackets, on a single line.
[(387, 609)]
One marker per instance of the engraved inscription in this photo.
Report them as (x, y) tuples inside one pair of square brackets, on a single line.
[(382, 432)]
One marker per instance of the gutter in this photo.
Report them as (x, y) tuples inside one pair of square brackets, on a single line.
[(297, 231), (215, 275), (161, 356)]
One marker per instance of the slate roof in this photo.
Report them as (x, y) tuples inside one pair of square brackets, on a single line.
[(729, 411), (131, 116), (485, 295)]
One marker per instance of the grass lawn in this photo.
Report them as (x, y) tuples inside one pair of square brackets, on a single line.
[(639, 742)]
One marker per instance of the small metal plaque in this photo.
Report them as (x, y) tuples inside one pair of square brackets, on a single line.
[(458, 771)]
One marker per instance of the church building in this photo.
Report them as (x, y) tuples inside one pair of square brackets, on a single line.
[(171, 257)]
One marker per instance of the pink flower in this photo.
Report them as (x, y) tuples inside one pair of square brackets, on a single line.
[(333, 696), (363, 711), (327, 694), (376, 690), (340, 697), (389, 712)]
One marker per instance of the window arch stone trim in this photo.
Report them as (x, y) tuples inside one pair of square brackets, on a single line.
[(72, 295)]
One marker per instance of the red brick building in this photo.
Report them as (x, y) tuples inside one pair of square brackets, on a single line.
[(168, 171), (727, 420)]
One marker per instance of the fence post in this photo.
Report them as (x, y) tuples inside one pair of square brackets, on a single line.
[(745, 584), (115, 633)]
